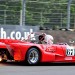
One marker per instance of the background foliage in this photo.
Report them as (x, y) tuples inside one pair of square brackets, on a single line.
[(50, 13)]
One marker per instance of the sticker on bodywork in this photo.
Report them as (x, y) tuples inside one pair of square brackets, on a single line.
[(68, 58), (70, 51)]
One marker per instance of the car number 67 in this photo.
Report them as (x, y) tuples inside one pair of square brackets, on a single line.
[(70, 52)]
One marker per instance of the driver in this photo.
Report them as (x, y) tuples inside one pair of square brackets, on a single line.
[(48, 39)]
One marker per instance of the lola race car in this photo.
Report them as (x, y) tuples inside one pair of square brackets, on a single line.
[(33, 53)]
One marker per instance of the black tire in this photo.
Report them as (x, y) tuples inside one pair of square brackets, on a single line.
[(33, 56)]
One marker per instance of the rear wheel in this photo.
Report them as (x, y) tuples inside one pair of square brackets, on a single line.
[(33, 56), (3, 58)]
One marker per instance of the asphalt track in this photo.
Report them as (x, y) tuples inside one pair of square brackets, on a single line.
[(41, 69)]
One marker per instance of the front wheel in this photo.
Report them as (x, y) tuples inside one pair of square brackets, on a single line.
[(33, 56)]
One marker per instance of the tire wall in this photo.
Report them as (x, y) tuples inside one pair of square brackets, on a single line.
[(61, 36)]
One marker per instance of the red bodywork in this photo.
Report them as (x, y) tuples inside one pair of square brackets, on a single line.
[(49, 53)]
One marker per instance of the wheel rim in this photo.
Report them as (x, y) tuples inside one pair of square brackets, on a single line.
[(33, 56)]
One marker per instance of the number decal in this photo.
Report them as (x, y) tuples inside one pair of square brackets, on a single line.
[(70, 52)]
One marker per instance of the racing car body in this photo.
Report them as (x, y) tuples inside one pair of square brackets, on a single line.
[(33, 53), (5, 53)]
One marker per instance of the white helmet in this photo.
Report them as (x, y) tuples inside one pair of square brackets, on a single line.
[(49, 39)]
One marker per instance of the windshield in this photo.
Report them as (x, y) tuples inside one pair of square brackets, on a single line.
[(33, 37)]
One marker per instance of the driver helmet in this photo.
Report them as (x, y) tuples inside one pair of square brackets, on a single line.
[(42, 37), (49, 39)]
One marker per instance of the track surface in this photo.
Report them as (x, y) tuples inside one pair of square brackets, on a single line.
[(41, 69)]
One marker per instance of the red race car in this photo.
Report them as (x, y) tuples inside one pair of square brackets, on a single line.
[(33, 52)]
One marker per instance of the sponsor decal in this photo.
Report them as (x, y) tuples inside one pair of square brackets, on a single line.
[(68, 58)]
